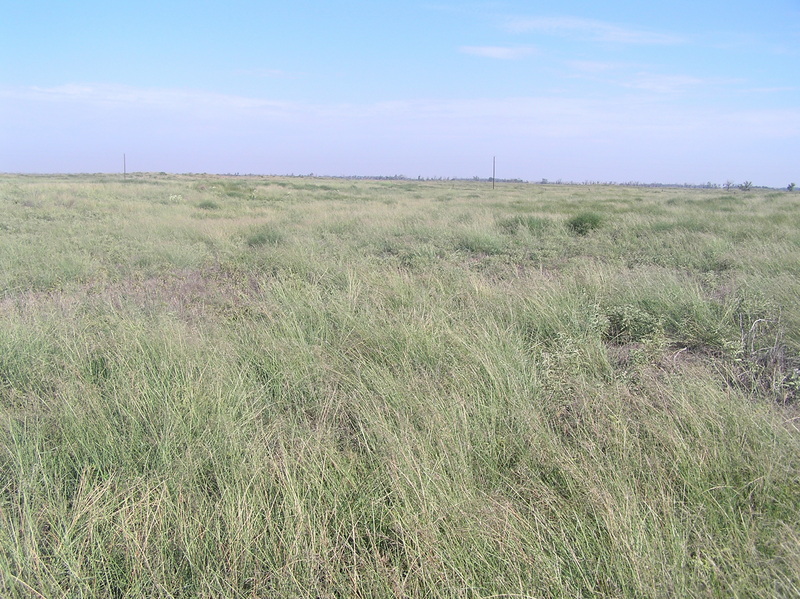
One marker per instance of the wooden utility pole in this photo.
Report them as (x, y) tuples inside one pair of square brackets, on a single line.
[(494, 170), (124, 167)]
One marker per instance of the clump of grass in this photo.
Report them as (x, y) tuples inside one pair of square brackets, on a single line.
[(208, 205), (267, 234), (233, 189), (584, 223), (533, 224), (479, 242)]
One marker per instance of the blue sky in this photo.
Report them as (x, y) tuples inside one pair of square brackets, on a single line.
[(682, 91)]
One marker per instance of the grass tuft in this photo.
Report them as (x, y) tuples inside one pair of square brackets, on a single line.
[(533, 224), (584, 223), (208, 205), (267, 234)]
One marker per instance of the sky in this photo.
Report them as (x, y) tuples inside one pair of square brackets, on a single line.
[(686, 91)]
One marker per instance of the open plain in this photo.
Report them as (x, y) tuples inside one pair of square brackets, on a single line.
[(261, 386)]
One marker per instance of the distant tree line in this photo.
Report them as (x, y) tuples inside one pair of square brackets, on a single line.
[(727, 185)]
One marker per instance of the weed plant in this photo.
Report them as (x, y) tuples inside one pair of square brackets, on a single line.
[(256, 387)]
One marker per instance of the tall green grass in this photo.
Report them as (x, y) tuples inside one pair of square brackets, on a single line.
[(324, 389)]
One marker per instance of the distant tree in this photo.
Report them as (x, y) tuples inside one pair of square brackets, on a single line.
[(790, 187), (728, 184), (746, 186)]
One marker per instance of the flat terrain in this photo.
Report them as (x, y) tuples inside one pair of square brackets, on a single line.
[(267, 387)]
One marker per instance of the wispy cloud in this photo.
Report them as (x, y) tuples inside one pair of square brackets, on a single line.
[(633, 76), (119, 95), (557, 116), (664, 83), (595, 66), (498, 52), (590, 30)]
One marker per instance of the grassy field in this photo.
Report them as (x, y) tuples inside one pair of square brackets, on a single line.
[(297, 387)]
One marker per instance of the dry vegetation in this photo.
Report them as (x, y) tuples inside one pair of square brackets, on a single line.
[(258, 387)]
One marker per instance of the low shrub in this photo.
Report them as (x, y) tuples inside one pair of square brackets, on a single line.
[(631, 323)]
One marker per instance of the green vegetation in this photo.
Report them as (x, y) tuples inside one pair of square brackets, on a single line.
[(583, 223), (258, 387)]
